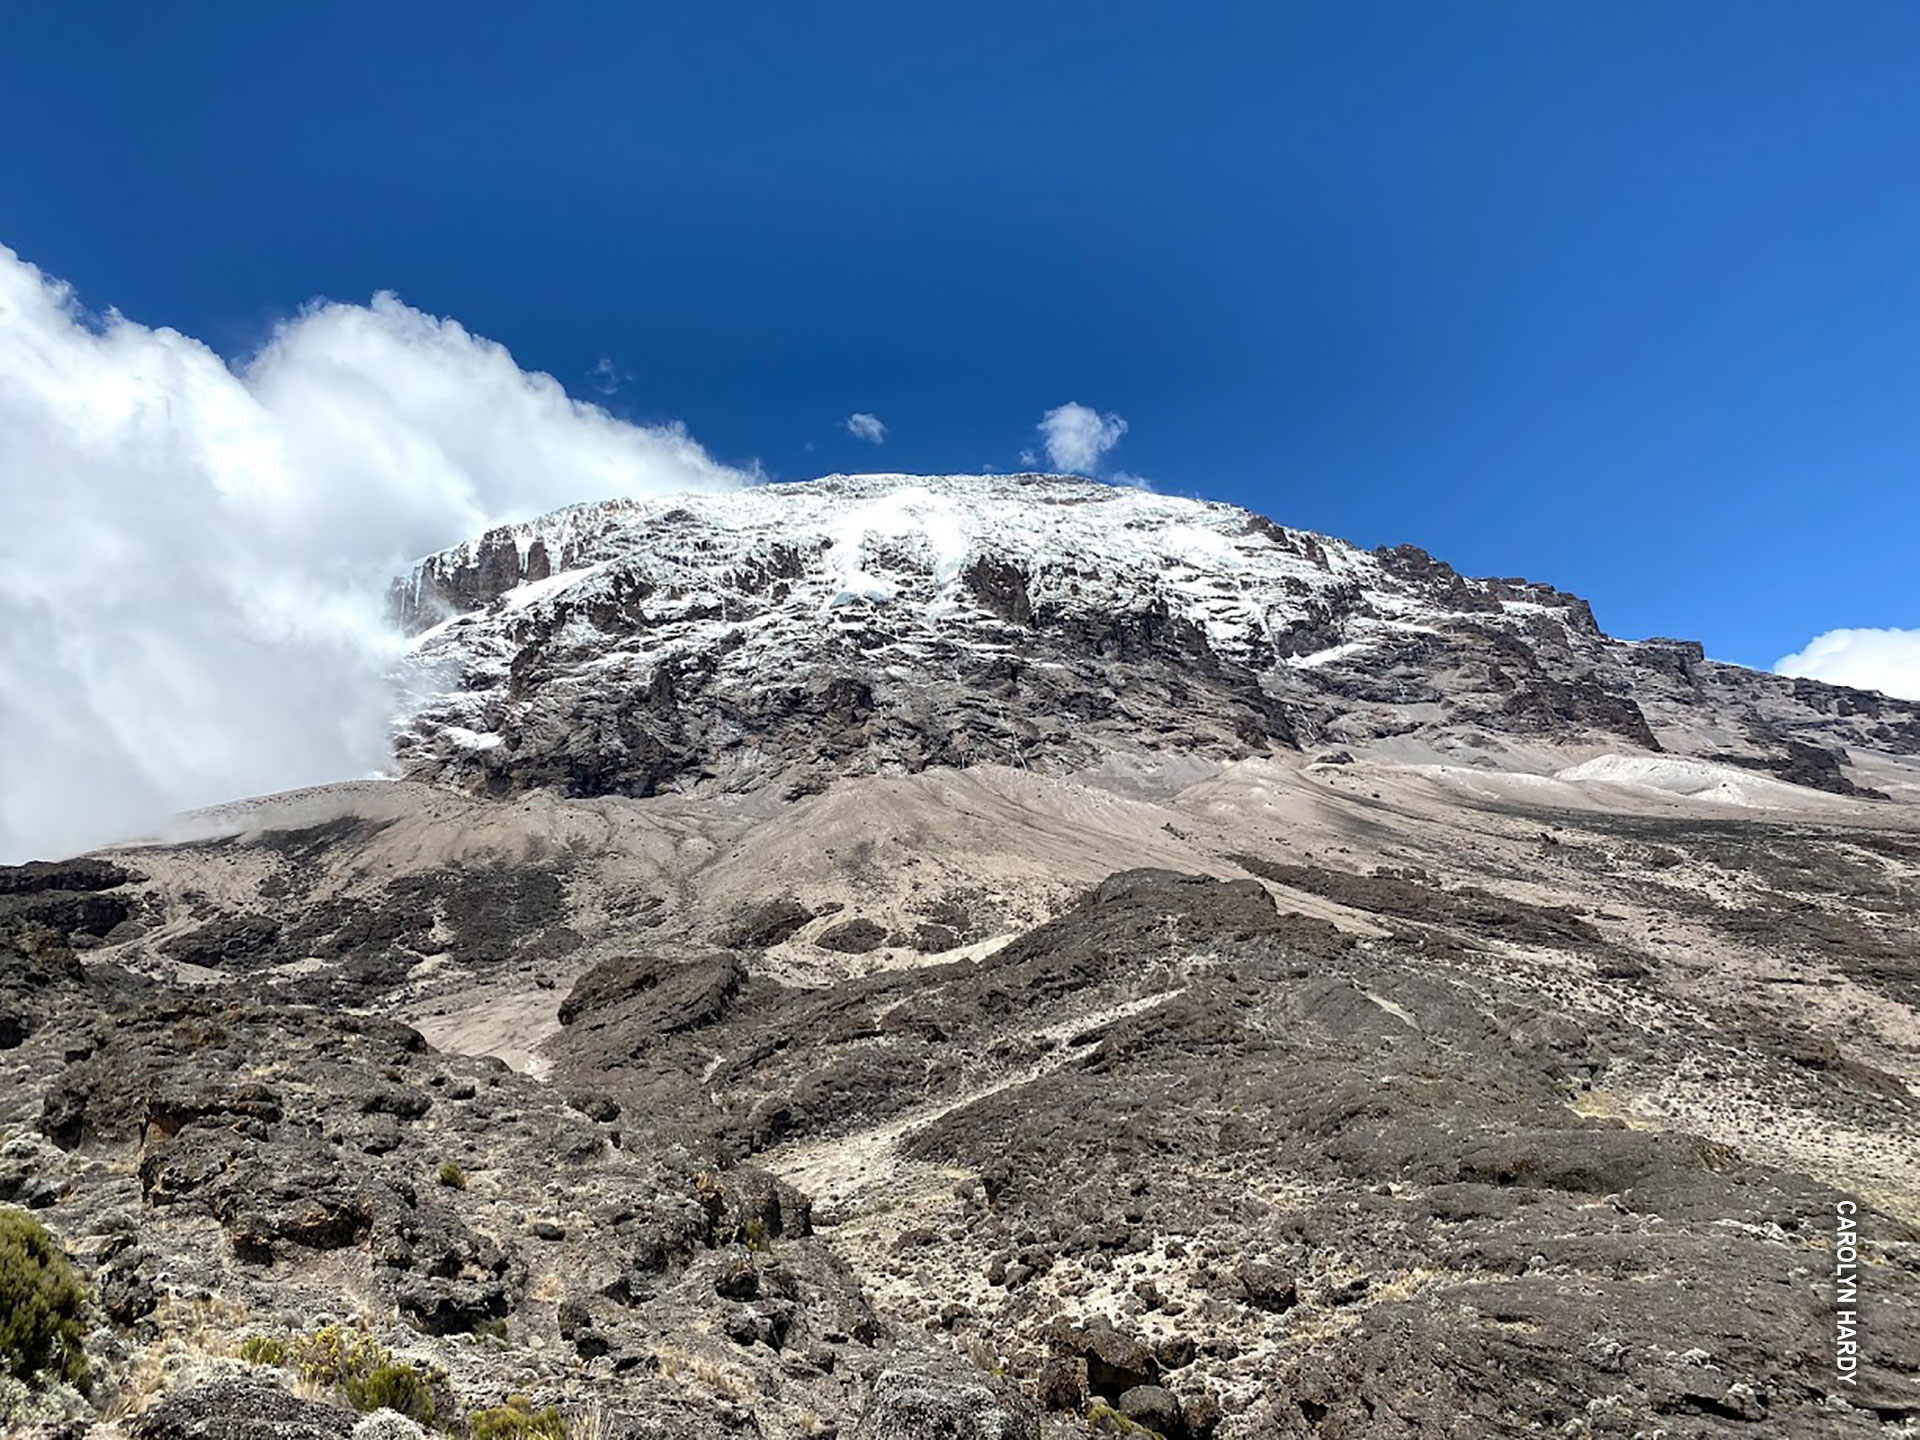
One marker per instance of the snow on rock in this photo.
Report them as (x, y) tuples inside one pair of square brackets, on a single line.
[(788, 633), (469, 739)]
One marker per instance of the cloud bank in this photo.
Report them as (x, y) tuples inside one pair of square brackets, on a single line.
[(1883, 660), (863, 426), (193, 557), (1076, 437)]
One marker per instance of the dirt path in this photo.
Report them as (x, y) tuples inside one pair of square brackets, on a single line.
[(851, 1173)]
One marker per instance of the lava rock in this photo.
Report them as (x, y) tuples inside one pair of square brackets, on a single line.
[(1265, 1287), (1156, 1409), (1061, 1383), (919, 1404), (452, 1307), (765, 924), (244, 1406), (1116, 1362), (852, 937)]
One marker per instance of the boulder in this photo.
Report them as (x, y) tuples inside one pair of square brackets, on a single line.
[(1116, 1362), (248, 1405), (767, 923), (646, 996), (942, 1404), (852, 937), (1061, 1384), (1265, 1287), (1156, 1409)]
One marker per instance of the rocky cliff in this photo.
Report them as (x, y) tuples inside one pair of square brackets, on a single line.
[(789, 635)]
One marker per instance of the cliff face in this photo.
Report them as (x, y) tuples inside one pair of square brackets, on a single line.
[(788, 635)]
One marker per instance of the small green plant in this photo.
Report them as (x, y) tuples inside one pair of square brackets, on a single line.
[(451, 1175), (517, 1420), (40, 1301), (495, 1329), (334, 1354), (757, 1236), (263, 1350), (392, 1385), (1103, 1419), (363, 1371)]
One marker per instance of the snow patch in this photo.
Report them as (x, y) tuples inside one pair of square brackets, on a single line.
[(912, 518), (522, 596), (1693, 779), (1329, 656), (470, 739)]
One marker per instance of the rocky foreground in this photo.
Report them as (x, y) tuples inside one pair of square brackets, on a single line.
[(1326, 1149), (1493, 1072)]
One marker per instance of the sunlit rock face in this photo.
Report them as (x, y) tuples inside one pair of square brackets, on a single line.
[(787, 635)]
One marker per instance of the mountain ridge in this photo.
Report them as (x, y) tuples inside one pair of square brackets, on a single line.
[(890, 622)]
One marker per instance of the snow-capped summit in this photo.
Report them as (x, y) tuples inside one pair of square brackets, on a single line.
[(787, 633)]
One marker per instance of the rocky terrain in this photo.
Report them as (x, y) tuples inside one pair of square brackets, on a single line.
[(998, 958)]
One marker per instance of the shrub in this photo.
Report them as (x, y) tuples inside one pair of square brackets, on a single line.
[(364, 1372), (517, 1420), (451, 1175), (263, 1350), (392, 1385), (37, 1409), (758, 1237), (334, 1354), (40, 1302)]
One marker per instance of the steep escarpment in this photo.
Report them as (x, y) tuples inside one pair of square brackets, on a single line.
[(787, 635)]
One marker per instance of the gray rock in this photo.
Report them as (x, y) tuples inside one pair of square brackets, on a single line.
[(925, 1404), (386, 1424), (764, 924), (1116, 1362), (1061, 1384), (852, 937), (1156, 1409), (246, 1406)]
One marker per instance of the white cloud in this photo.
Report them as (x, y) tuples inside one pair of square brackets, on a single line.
[(866, 427), (1076, 437), (1883, 660), (193, 558), (608, 377)]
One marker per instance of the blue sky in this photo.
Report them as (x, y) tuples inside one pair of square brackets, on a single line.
[(1618, 296)]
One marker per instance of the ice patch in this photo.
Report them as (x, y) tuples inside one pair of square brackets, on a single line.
[(1328, 656), (470, 739), (857, 584), (522, 596), (1198, 546), (912, 516)]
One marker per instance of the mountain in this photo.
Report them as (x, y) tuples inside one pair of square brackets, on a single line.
[(994, 958), (792, 635)]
